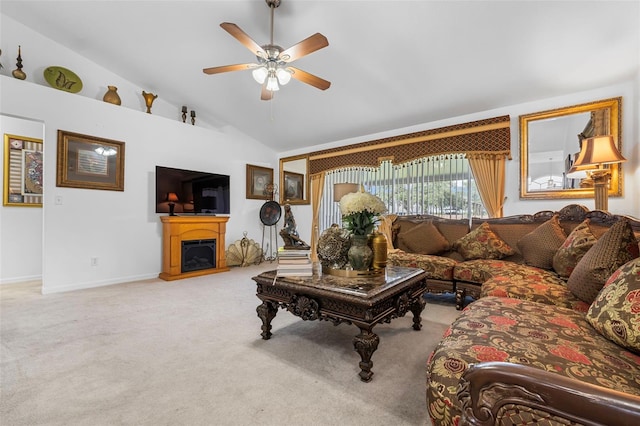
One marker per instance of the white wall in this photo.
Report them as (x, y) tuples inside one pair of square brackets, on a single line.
[(121, 229), (20, 227), (629, 203)]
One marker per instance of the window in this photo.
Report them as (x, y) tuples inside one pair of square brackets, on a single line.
[(441, 185)]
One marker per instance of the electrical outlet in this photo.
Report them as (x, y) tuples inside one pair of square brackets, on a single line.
[(94, 261)]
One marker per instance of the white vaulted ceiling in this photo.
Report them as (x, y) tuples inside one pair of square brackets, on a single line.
[(392, 64)]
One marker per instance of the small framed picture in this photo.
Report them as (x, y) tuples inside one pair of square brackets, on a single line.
[(23, 171), (259, 182), (293, 186), (89, 162)]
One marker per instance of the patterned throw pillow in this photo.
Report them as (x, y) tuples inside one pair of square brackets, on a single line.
[(577, 244), (482, 243), (423, 239), (616, 311), (540, 245), (615, 248)]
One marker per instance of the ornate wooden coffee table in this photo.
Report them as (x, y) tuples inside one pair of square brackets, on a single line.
[(363, 302)]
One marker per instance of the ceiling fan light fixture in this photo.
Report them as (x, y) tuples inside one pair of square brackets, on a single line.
[(272, 83), (273, 68), (260, 74), (284, 76)]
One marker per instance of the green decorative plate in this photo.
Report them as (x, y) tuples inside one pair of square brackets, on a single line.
[(63, 79)]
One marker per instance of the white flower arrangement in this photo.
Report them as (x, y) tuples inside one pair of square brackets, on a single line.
[(359, 212)]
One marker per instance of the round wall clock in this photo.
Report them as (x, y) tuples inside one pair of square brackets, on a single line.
[(270, 213)]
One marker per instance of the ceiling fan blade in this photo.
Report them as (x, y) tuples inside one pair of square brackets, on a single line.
[(266, 95), (243, 38), (306, 46), (227, 68), (311, 79)]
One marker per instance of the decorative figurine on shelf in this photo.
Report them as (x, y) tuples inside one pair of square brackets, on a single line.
[(193, 118), (18, 73), (289, 233), (1, 62), (112, 96), (184, 114), (148, 100)]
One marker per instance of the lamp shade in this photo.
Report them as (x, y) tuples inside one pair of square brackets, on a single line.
[(260, 74), (172, 196), (272, 83), (595, 152), (284, 76), (579, 172), (342, 189)]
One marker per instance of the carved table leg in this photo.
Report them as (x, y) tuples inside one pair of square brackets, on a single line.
[(366, 344), (417, 307), (266, 312)]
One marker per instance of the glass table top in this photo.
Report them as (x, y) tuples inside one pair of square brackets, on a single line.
[(361, 286)]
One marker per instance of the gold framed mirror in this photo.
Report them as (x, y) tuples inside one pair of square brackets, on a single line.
[(550, 142), (294, 180)]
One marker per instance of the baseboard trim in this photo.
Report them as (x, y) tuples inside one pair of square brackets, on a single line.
[(21, 280), (94, 284)]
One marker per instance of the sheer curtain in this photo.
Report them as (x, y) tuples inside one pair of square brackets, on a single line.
[(439, 185), (329, 210)]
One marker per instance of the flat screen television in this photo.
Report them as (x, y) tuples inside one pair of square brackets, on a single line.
[(191, 192)]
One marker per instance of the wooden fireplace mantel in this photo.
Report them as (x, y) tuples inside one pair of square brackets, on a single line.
[(176, 229)]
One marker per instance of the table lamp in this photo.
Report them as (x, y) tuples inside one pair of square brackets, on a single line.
[(172, 198), (594, 154), (342, 189)]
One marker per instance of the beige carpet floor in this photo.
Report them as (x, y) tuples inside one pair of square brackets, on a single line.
[(189, 352)]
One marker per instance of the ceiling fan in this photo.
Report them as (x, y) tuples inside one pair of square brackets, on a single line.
[(272, 69)]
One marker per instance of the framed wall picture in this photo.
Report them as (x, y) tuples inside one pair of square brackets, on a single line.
[(89, 162), (293, 186), (23, 171), (259, 180)]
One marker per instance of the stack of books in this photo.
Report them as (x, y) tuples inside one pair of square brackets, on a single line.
[(294, 262)]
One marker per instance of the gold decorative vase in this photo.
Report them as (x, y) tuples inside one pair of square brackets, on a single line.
[(379, 247), (112, 96), (148, 100)]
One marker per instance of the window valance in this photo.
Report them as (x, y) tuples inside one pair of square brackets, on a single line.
[(490, 136)]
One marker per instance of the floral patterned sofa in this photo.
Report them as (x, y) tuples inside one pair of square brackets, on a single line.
[(482, 257), (542, 348)]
